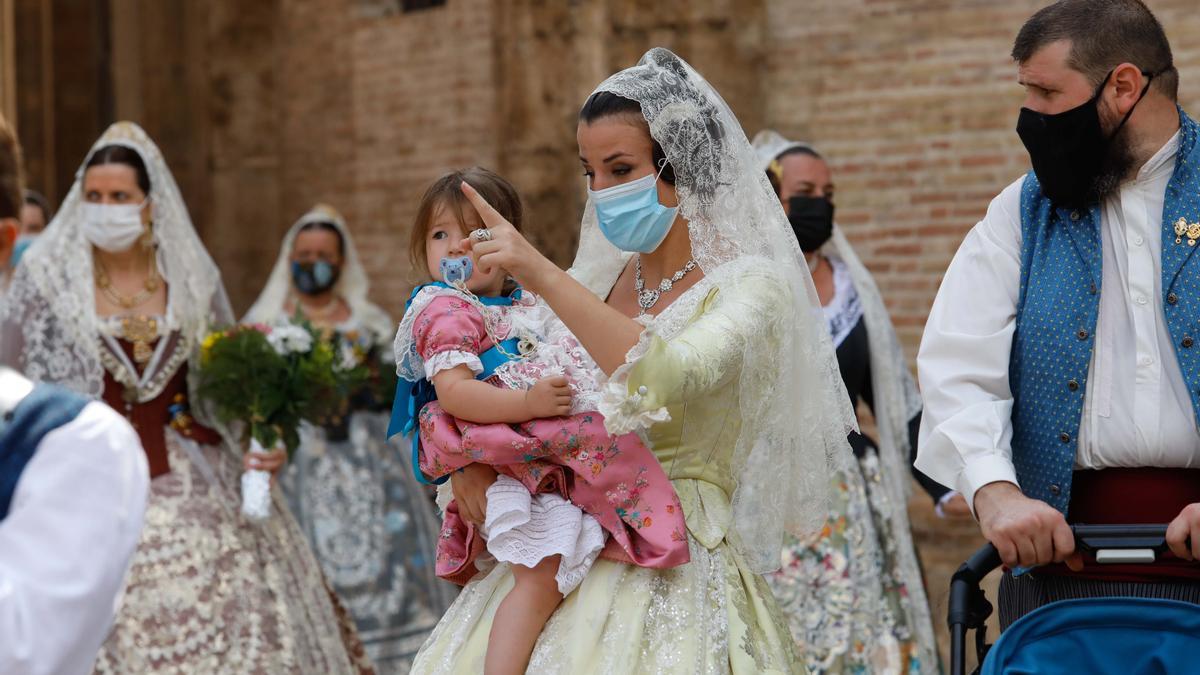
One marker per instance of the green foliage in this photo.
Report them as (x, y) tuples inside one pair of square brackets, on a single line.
[(246, 379)]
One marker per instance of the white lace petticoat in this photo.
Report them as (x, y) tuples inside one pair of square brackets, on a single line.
[(524, 529)]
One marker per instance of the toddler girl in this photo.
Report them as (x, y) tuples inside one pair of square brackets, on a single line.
[(515, 390)]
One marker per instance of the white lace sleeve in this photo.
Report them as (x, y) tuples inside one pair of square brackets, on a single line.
[(452, 359)]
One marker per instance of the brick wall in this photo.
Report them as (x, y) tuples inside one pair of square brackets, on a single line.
[(915, 104)]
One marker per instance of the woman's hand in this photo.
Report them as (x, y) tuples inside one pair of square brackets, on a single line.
[(270, 462), (606, 333), (470, 491), (507, 249)]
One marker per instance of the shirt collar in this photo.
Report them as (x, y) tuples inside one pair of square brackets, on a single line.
[(1162, 164)]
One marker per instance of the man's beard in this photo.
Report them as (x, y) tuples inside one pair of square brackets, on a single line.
[(1115, 167)]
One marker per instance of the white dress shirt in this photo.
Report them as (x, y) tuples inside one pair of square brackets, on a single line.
[(1136, 412), (66, 544)]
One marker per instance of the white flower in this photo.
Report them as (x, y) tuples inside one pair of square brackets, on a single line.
[(625, 413), (349, 356), (289, 339)]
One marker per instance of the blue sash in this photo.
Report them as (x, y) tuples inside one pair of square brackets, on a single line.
[(411, 396), (45, 409)]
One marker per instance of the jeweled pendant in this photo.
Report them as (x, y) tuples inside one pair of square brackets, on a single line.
[(142, 353)]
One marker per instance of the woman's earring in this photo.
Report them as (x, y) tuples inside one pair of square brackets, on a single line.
[(147, 238)]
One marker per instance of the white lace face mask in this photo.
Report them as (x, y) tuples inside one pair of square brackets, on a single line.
[(112, 227)]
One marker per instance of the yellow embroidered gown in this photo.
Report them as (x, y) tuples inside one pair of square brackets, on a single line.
[(712, 615)]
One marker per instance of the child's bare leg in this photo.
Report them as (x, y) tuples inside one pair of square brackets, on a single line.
[(521, 616)]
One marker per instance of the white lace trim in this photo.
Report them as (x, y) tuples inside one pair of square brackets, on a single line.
[(844, 310), (557, 351), (452, 359), (409, 364), (445, 495), (525, 529)]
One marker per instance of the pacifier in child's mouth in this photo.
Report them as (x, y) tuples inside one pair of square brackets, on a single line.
[(456, 270)]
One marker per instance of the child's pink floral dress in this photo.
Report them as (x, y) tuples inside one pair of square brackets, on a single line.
[(566, 487)]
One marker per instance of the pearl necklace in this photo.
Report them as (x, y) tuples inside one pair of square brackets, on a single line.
[(648, 298)]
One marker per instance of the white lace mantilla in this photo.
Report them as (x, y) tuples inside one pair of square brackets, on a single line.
[(49, 329), (352, 285), (793, 407)]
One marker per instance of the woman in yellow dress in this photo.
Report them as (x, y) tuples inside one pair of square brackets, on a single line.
[(688, 290)]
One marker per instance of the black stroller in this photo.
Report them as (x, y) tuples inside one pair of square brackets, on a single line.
[(1121, 636)]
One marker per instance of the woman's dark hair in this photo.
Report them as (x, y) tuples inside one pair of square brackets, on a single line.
[(325, 226), (607, 104), (119, 154), (35, 198), (775, 171)]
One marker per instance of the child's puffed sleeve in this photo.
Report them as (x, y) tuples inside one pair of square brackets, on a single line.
[(449, 332), (702, 357)]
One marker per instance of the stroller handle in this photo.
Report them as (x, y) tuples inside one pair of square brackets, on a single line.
[(969, 607)]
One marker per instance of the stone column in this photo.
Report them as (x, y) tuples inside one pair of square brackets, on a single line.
[(8, 62)]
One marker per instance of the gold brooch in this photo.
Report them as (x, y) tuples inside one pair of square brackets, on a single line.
[(141, 331), (1190, 230)]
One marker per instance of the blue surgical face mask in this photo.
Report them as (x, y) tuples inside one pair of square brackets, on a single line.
[(631, 217), (314, 278), (19, 248)]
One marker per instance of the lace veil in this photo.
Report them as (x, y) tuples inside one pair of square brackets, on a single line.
[(794, 409), (897, 399), (48, 324), (352, 285)]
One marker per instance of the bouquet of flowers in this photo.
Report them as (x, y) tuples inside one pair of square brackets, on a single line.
[(377, 387), (264, 381)]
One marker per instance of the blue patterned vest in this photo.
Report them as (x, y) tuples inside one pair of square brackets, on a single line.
[(1056, 319)]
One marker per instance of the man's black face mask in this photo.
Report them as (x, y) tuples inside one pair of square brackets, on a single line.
[(1076, 164)]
